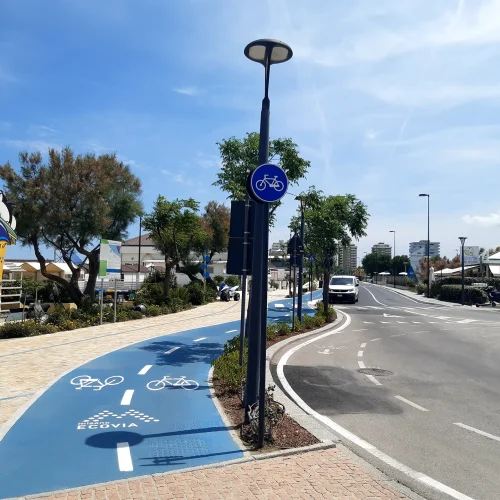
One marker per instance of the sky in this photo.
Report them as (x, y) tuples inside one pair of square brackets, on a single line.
[(387, 99)]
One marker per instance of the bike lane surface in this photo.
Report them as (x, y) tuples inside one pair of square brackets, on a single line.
[(90, 431)]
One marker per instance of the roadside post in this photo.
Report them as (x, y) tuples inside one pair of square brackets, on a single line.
[(114, 311), (102, 296), (311, 260)]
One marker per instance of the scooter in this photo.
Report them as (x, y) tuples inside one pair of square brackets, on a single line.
[(493, 295)]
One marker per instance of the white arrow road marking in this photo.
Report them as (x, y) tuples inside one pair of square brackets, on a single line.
[(473, 429), (127, 397), (326, 351), (124, 457), (411, 403), (391, 316), (145, 370), (172, 350)]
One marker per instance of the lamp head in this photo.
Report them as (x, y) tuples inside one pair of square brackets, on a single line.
[(268, 50)]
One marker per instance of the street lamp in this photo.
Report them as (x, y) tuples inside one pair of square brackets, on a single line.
[(265, 52), (428, 244), (394, 250), (302, 202), (462, 242)]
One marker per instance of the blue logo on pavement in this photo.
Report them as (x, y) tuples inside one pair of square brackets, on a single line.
[(269, 183)]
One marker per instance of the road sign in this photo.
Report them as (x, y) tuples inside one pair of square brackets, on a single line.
[(268, 183), (295, 245), (310, 258)]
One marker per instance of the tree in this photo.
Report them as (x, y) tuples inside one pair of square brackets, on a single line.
[(400, 264), (376, 263), (332, 223), (174, 227), (240, 156), (215, 224), (69, 204), (493, 251)]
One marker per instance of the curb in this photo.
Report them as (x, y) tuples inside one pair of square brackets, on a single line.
[(418, 298), (308, 422)]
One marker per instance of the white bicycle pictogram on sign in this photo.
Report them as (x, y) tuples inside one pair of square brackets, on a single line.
[(158, 385), (272, 181), (94, 383)]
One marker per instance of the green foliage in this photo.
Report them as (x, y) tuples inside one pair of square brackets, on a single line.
[(215, 225), (218, 280), (151, 293), (472, 295), (196, 293), (421, 288), (69, 203), (234, 344), (210, 294), (239, 156), (228, 371), (27, 329), (154, 310), (400, 263), (376, 263), (232, 281)]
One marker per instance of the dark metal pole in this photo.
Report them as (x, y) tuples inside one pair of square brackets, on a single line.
[(294, 276), (140, 242), (301, 263), (463, 275), (244, 279), (311, 280), (428, 246), (394, 258)]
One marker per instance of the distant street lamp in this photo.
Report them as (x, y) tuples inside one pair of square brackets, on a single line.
[(266, 52), (428, 244), (302, 202), (394, 251), (462, 242)]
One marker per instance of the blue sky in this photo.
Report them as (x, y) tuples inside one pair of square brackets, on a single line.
[(386, 99)]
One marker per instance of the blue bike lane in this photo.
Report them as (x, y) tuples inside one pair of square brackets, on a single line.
[(139, 410)]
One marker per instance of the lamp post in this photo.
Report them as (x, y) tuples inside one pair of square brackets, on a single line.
[(301, 258), (428, 243), (265, 52), (394, 262), (462, 242)]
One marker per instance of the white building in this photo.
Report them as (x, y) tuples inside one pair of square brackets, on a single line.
[(382, 249), (277, 248), (418, 250), (348, 258)]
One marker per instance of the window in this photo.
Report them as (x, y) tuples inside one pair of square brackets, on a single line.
[(342, 281)]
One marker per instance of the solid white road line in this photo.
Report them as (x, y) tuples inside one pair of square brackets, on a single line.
[(373, 379), (361, 364), (124, 457), (145, 370), (419, 476), (373, 296), (198, 340), (363, 345), (172, 350), (127, 397), (232, 331), (373, 340), (360, 354), (411, 403), (473, 429)]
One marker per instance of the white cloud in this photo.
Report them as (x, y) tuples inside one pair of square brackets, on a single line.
[(31, 145), (490, 220), (191, 91), (208, 162), (41, 130)]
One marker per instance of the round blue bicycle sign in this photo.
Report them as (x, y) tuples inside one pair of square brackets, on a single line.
[(268, 183)]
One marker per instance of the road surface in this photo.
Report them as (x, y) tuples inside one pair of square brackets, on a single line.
[(413, 382)]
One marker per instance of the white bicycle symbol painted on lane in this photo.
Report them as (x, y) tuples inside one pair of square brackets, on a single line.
[(272, 182), (158, 385), (94, 383)]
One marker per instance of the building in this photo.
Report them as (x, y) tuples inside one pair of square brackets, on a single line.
[(382, 249), (277, 248), (418, 251), (348, 259)]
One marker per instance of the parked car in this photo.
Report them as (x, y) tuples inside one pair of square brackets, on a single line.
[(343, 289)]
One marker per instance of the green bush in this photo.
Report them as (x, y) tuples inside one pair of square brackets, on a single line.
[(27, 329), (421, 288), (472, 295), (175, 304), (181, 293), (218, 279), (234, 344), (228, 372), (457, 280), (210, 294), (150, 293), (232, 281), (271, 332), (196, 293), (153, 310)]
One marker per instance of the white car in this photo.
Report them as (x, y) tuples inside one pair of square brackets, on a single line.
[(343, 288)]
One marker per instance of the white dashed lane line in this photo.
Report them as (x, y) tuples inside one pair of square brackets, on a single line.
[(361, 364), (200, 339), (411, 403), (172, 350), (124, 457), (127, 397), (373, 379), (279, 305), (373, 340), (398, 335), (363, 345), (360, 354), (145, 370), (231, 331), (361, 330), (477, 431)]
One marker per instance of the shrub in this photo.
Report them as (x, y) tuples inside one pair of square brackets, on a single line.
[(175, 304), (181, 293), (232, 281), (210, 294), (153, 310), (234, 344), (283, 328), (27, 329), (150, 293), (472, 294), (271, 332), (420, 288), (228, 371), (218, 280), (196, 293)]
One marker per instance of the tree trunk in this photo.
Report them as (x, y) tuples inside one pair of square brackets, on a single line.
[(93, 261), (326, 282), (167, 278)]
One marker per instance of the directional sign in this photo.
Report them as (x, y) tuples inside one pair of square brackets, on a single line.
[(268, 183), (310, 258)]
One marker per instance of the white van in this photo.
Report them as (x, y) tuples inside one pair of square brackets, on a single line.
[(343, 289)]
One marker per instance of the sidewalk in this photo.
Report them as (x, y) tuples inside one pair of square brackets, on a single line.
[(28, 365)]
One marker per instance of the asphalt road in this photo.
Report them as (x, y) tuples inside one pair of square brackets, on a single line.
[(428, 395)]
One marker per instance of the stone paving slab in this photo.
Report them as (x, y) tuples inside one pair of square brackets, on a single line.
[(328, 474)]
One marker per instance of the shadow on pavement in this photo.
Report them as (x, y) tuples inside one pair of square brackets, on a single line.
[(195, 353)]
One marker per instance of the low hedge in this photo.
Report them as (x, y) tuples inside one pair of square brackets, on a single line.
[(472, 295), (457, 280)]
